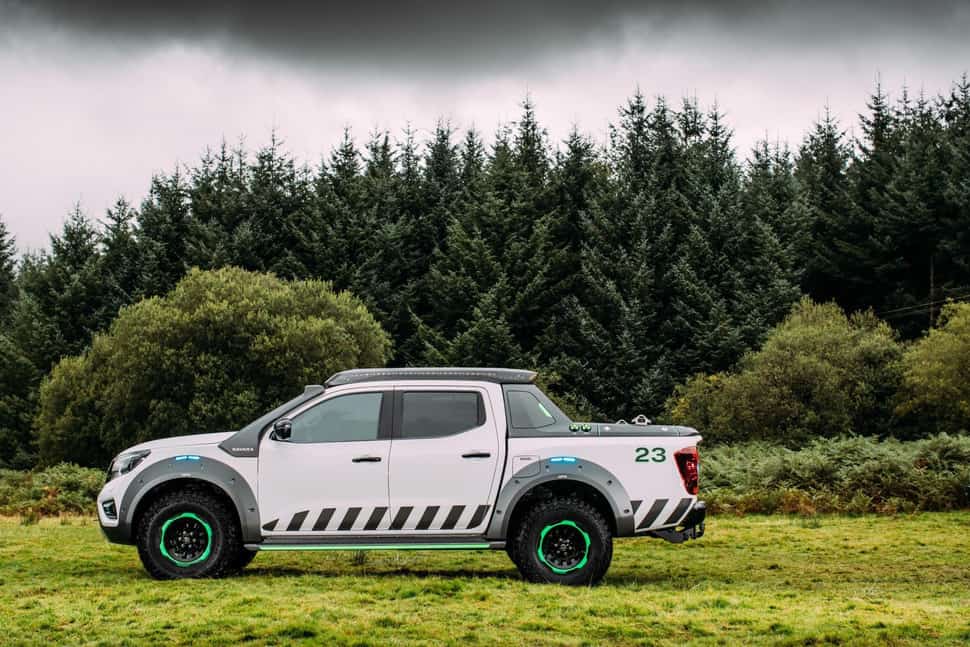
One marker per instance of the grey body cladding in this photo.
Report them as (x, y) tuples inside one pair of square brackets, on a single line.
[(201, 469), (582, 471)]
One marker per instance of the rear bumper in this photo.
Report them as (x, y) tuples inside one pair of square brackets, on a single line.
[(690, 527)]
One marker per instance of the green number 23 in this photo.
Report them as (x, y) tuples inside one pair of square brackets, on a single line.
[(659, 455)]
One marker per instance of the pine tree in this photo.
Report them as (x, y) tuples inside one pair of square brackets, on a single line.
[(770, 193), (19, 379), (8, 259), (165, 224), (915, 222), (121, 259), (463, 269), (221, 231), (956, 143), (826, 208), (577, 188), (472, 164), (282, 214), (65, 296), (488, 339), (345, 226)]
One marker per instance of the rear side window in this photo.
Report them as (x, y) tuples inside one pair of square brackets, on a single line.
[(527, 412), (432, 414)]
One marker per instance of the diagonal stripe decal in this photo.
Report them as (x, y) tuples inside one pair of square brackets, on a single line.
[(678, 512), (653, 513), (478, 517), (375, 518), (270, 525), (427, 517), (453, 517), (401, 517), (349, 519), (323, 520), (635, 505), (297, 521)]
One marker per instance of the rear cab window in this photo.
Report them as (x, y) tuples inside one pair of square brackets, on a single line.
[(527, 411), (436, 414)]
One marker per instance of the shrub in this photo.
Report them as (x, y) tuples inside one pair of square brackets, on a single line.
[(935, 391), (818, 374), (220, 349), (61, 489), (852, 475)]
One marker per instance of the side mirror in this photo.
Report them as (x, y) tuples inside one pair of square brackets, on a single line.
[(282, 429)]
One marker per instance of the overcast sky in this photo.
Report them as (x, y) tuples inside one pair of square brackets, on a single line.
[(97, 96)]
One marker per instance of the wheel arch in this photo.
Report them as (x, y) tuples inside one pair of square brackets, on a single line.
[(589, 480), (218, 478)]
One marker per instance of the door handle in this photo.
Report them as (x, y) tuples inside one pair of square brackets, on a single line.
[(477, 455), (366, 459)]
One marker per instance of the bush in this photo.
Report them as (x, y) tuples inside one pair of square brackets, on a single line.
[(819, 374), (219, 350), (935, 392), (61, 489), (853, 475)]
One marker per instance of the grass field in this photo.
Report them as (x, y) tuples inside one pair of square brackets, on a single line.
[(777, 580)]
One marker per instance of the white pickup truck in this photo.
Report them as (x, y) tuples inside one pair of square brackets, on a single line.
[(413, 459)]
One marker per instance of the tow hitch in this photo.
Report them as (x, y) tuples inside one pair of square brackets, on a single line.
[(691, 527)]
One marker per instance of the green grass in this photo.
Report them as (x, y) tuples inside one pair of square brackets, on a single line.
[(777, 580)]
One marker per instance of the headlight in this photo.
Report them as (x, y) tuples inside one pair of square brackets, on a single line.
[(125, 462)]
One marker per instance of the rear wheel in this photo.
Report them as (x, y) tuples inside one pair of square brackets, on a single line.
[(562, 540), (189, 533)]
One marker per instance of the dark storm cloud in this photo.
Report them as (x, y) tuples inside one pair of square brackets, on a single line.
[(442, 33)]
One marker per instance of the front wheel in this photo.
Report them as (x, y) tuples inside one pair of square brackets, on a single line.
[(563, 540), (189, 533)]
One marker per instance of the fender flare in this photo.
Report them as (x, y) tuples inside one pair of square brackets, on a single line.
[(199, 468), (549, 470)]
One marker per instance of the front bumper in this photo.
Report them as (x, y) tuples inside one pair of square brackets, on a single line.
[(111, 512), (690, 527)]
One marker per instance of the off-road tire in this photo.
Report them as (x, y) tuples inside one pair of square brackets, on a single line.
[(241, 560), (207, 512), (583, 520)]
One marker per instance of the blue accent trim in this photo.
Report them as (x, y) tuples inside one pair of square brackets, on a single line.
[(188, 458), (563, 459)]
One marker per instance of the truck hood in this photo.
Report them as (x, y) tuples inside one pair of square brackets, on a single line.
[(183, 441)]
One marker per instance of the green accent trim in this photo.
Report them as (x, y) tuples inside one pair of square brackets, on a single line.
[(379, 547), (208, 545), (542, 557), (545, 411)]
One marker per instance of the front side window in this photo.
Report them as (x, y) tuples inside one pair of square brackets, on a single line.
[(429, 414), (527, 412), (346, 418)]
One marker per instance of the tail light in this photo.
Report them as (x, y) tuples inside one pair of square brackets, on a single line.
[(688, 462)]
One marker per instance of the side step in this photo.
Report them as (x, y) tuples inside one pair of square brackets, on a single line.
[(439, 542)]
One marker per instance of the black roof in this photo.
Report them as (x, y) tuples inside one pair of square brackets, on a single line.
[(497, 375)]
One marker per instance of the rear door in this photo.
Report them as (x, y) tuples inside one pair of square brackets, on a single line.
[(445, 454)]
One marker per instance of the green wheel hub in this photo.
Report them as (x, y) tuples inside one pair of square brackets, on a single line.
[(563, 547), (186, 539)]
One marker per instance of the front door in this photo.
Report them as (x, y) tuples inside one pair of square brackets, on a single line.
[(330, 476), (444, 458)]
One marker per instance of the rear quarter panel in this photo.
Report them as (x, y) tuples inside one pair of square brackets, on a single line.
[(650, 490)]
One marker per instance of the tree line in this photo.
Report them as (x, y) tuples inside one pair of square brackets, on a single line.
[(619, 268)]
